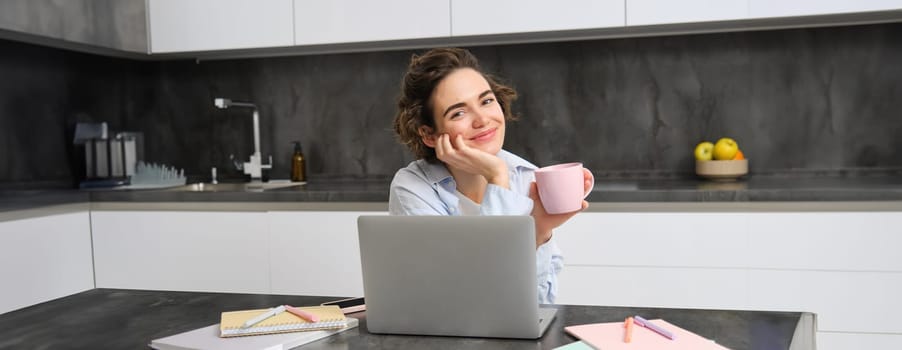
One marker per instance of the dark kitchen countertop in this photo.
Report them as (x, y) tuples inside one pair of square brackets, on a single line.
[(21, 204), (18, 200), (131, 319), (749, 189), (766, 188)]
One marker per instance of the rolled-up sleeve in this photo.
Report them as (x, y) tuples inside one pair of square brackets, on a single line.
[(501, 201)]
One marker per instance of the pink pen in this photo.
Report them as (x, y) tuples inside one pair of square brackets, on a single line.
[(302, 314)]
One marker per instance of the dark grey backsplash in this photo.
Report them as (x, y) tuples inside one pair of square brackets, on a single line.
[(825, 99)]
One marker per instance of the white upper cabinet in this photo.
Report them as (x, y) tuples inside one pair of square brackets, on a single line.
[(648, 12), (206, 25), (477, 17), (782, 8), (344, 21), (184, 26)]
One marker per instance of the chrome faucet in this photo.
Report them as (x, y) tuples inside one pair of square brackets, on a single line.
[(254, 167)]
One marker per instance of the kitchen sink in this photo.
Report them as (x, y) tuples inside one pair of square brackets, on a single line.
[(234, 187)]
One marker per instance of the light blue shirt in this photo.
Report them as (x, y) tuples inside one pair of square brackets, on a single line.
[(423, 188)]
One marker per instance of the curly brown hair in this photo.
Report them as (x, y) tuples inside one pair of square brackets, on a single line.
[(423, 74)]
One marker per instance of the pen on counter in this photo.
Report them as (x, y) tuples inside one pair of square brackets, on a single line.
[(270, 313), (309, 317), (628, 333), (657, 329)]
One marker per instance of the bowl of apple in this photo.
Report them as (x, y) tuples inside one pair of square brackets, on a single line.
[(722, 161)]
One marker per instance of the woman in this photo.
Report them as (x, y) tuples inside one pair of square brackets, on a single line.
[(452, 117)]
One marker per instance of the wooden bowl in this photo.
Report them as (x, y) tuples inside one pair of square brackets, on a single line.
[(721, 169)]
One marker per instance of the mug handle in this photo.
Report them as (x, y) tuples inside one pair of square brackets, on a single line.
[(592, 186)]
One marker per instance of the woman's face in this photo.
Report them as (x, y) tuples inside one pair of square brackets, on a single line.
[(463, 104)]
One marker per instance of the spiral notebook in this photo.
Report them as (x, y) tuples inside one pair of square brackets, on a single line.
[(330, 317)]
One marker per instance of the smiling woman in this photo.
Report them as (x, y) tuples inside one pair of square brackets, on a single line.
[(415, 105), (452, 116)]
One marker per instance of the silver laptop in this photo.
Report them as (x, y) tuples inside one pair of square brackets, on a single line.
[(472, 276)]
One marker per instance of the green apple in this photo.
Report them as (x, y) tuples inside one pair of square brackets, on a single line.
[(725, 149), (704, 151)]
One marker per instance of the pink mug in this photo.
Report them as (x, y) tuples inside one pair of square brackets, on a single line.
[(561, 187)]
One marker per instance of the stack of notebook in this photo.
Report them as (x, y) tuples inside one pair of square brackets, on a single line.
[(277, 320), (262, 329)]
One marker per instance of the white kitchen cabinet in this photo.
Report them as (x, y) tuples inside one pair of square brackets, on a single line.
[(650, 12), (655, 239), (839, 241), (315, 253), (181, 250), (654, 259), (44, 258), (846, 266), (780, 8), (307, 26), (275, 252), (668, 287), (345, 21), (205, 25), (843, 266), (475, 17)]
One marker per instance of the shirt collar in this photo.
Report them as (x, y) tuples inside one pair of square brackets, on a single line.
[(515, 161)]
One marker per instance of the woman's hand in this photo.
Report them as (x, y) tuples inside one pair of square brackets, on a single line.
[(455, 153), (545, 222)]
